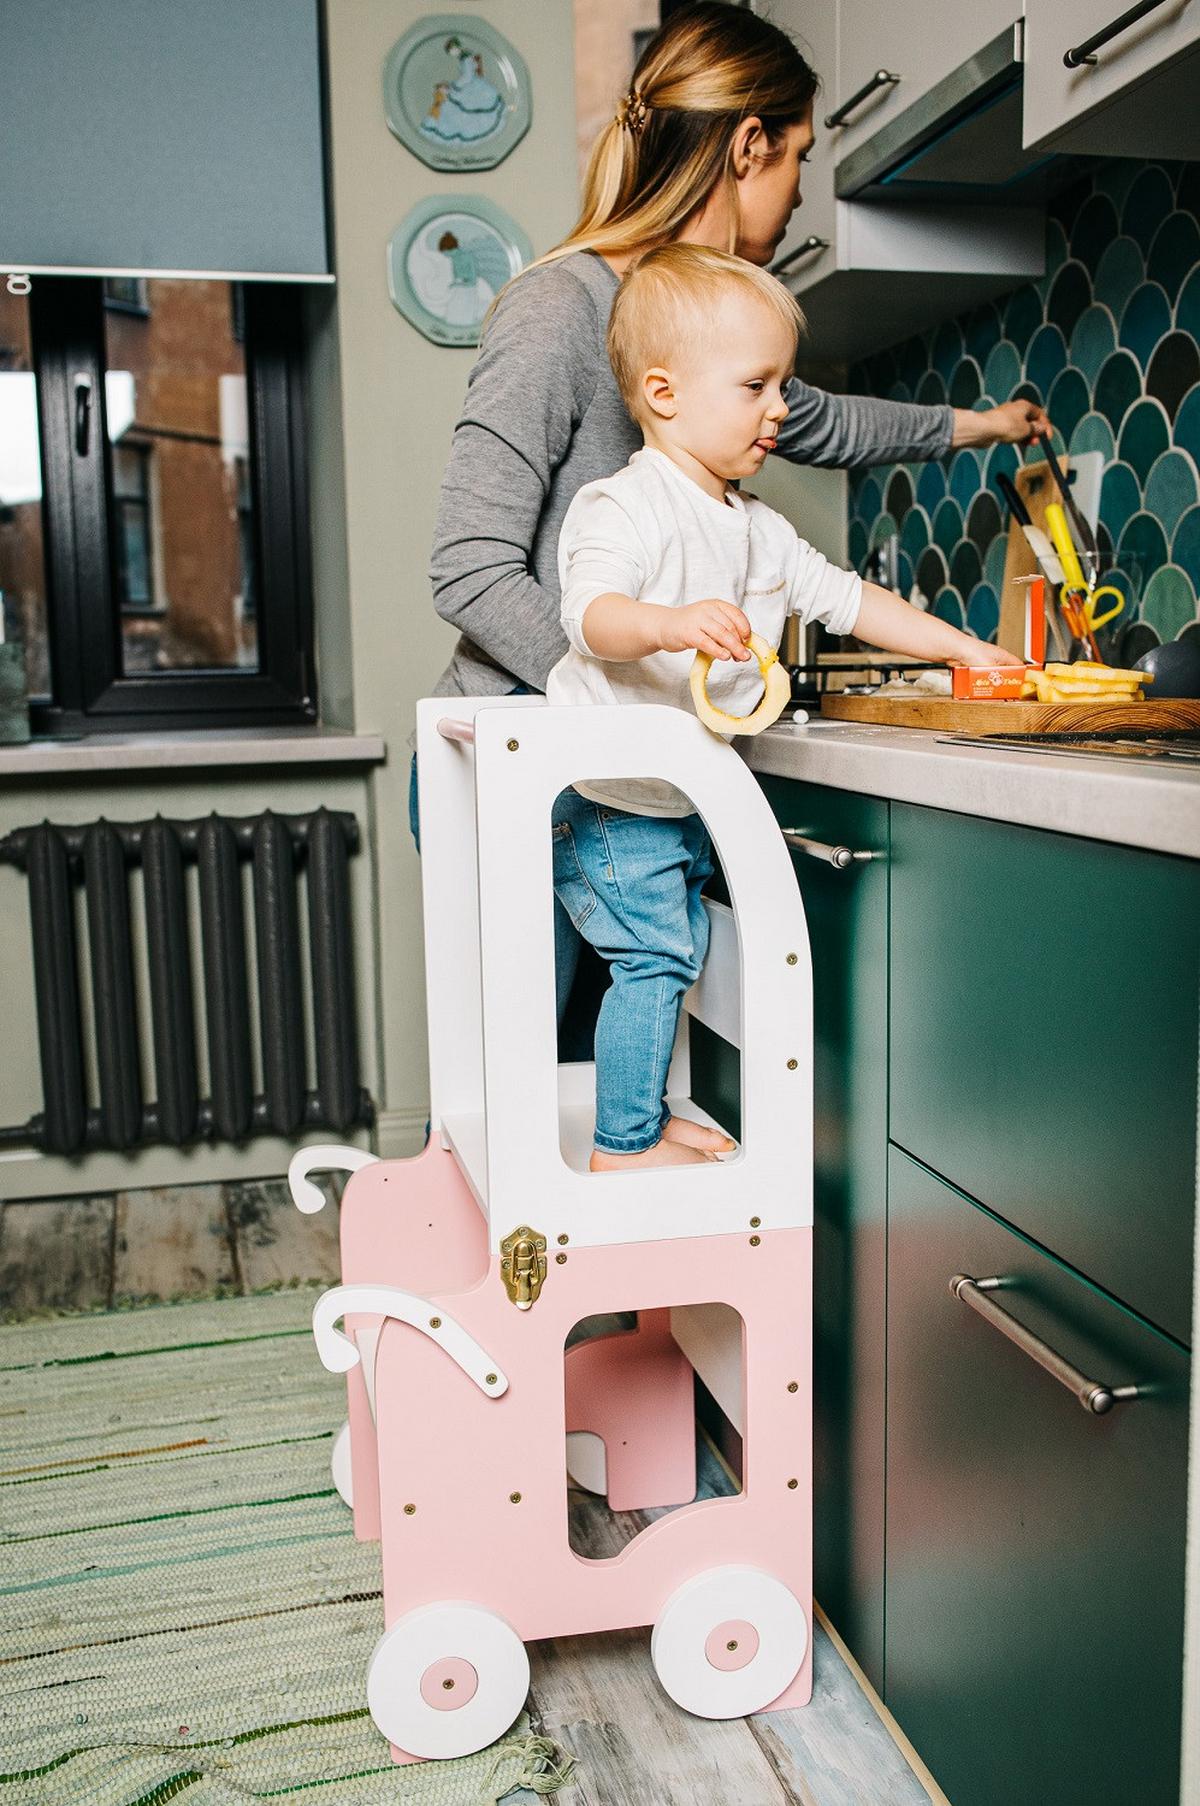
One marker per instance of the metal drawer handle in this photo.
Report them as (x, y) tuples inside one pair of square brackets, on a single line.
[(1094, 1397), (881, 79), (1085, 52), (838, 857), (811, 243)]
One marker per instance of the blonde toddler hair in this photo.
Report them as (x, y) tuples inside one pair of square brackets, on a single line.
[(667, 297)]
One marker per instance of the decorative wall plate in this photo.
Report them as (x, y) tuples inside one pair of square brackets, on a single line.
[(447, 259), (456, 93)]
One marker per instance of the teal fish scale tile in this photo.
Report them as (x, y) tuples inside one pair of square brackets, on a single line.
[(1109, 339)]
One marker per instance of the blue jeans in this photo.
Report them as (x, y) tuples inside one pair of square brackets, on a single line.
[(566, 941), (631, 886)]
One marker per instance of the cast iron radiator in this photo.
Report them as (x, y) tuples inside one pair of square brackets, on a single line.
[(139, 947)]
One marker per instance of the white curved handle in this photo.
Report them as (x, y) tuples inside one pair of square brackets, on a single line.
[(339, 1354), (323, 1158)]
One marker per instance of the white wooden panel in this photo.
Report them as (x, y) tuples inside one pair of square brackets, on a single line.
[(716, 997), (710, 1335), (771, 1176)]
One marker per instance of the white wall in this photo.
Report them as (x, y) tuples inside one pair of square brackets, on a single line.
[(381, 646)]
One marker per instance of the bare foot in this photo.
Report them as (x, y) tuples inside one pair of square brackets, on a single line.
[(696, 1135), (663, 1153)]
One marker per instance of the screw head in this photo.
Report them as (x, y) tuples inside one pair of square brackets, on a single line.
[(435, 1323), (755, 1240), (792, 1065), (792, 958), (755, 1222), (792, 1485), (409, 1510), (448, 1685), (731, 1645), (562, 1240), (489, 1379), (560, 1260), (793, 1386), (514, 1498), (512, 745)]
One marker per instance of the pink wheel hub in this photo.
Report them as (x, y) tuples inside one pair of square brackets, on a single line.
[(449, 1684), (731, 1645)]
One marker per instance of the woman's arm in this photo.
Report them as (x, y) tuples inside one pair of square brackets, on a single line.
[(534, 377), (841, 431)]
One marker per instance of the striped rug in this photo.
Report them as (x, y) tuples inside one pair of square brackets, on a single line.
[(184, 1612)]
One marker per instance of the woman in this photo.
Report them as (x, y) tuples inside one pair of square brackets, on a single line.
[(707, 146)]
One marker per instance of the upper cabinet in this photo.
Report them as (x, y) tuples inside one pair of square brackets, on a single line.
[(890, 55), (1105, 77), (870, 272)]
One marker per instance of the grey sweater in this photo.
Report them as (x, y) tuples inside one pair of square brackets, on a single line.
[(542, 417)]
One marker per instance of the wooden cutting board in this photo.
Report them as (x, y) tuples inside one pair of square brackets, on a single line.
[(947, 716)]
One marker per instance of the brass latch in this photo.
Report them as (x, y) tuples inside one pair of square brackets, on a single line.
[(523, 1265)]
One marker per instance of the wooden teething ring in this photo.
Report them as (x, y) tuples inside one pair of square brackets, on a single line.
[(777, 692)]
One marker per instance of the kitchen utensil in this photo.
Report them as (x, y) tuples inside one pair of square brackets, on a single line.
[(1081, 526), (1029, 552), (1174, 667), (1073, 600)]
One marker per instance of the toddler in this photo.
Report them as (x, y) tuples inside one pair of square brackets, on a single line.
[(662, 560)]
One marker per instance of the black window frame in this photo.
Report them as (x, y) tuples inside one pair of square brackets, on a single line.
[(89, 692)]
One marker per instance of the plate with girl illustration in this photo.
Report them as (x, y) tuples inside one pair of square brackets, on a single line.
[(456, 92)]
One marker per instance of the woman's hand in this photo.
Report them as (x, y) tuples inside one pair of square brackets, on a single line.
[(1013, 423), (718, 628)]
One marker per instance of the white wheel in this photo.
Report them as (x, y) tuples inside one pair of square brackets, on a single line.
[(340, 1467), (447, 1680), (729, 1642)]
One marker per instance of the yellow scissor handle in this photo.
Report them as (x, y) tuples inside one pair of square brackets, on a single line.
[(1093, 619)]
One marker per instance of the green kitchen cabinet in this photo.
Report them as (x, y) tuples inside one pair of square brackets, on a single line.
[(1044, 1040), (847, 925), (1035, 1551)]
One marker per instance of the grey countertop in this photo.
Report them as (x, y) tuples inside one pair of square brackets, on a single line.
[(1137, 803)]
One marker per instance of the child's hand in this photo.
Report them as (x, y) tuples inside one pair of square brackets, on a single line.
[(971, 651), (718, 628)]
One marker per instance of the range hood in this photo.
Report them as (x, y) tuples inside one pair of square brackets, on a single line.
[(961, 141)]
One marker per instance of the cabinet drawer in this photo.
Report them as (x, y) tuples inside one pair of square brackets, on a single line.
[(1035, 1552), (1044, 1041)]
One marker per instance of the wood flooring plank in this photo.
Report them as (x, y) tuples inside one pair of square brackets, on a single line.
[(598, 1697), (836, 1751), (276, 1244), (55, 1255), (172, 1242)]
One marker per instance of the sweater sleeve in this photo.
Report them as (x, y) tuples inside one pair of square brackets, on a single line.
[(844, 430), (534, 377), (600, 552)]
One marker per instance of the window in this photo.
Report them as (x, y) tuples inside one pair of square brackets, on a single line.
[(159, 427)]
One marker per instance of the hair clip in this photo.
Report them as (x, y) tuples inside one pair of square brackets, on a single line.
[(631, 111)]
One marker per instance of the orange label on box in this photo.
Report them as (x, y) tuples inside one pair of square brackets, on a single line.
[(987, 683)]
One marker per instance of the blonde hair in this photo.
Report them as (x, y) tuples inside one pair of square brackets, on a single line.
[(710, 67), (665, 299)]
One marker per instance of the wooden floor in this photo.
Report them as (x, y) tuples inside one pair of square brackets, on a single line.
[(595, 1695)]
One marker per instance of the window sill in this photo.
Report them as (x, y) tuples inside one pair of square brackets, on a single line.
[(203, 748)]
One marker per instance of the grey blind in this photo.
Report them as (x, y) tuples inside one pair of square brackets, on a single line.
[(152, 135)]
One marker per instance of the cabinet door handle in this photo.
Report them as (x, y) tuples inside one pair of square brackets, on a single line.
[(1086, 52), (882, 78), (1092, 1395), (811, 243), (838, 857)]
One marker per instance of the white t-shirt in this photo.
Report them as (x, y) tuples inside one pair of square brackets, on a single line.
[(651, 533)]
